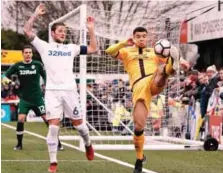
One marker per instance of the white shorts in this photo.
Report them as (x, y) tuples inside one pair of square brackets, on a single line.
[(59, 103)]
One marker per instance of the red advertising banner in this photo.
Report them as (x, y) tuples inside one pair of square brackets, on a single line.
[(183, 32)]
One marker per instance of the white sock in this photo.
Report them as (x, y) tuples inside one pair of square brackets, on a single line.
[(84, 133), (52, 142)]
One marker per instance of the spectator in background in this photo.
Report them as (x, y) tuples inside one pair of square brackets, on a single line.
[(220, 78), (193, 90), (202, 83), (211, 71), (191, 84), (11, 96), (119, 91), (213, 80), (4, 91), (13, 107), (208, 84), (193, 76)]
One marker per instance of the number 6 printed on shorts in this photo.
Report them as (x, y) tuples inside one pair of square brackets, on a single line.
[(75, 111)]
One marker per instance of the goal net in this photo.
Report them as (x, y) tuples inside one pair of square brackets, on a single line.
[(104, 87)]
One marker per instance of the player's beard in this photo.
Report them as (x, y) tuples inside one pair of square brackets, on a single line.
[(28, 60), (58, 41)]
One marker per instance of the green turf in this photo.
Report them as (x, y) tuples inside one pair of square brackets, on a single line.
[(177, 161), (35, 149), (159, 161)]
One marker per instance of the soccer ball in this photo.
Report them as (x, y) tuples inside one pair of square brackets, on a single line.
[(162, 47)]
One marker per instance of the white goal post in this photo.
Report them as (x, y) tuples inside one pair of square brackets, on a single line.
[(109, 129)]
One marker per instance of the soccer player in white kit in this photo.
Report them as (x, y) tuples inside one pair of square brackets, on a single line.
[(61, 92)]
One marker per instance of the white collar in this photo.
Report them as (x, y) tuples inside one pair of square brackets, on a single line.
[(27, 62)]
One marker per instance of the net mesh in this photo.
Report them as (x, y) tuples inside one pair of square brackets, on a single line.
[(108, 82)]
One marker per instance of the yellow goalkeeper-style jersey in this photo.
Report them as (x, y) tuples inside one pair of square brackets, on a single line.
[(139, 62)]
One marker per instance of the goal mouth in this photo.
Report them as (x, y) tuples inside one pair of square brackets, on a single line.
[(104, 87)]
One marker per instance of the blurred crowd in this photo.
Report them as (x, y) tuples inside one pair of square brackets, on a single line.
[(113, 94), (200, 85), (116, 96), (109, 102)]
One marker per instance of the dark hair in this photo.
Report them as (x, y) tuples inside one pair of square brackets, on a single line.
[(27, 47), (140, 29), (55, 25), (193, 72)]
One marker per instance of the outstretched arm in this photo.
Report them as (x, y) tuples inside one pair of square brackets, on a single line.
[(40, 10), (92, 47), (113, 50)]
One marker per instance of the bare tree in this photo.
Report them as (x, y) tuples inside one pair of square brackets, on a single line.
[(115, 19), (20, 11), (122, 14), (119, 18)]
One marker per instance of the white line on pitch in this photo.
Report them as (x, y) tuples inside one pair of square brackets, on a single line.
[(58, 161), (74, 147)]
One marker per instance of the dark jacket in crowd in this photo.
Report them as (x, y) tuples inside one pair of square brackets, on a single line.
[(206, 94)]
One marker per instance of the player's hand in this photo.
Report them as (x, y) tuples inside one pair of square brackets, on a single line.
[(90, 23), (40, 9), (185, 65), (7, 81), (130, 42)]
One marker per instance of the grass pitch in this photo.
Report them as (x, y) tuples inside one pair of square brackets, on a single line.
[(34, 157)]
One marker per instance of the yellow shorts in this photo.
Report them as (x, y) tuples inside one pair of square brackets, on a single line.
[(144, 90)]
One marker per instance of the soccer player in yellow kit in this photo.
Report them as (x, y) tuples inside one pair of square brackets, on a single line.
[(148, 73)]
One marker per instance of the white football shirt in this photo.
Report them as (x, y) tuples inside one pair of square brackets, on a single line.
[(58, 61)]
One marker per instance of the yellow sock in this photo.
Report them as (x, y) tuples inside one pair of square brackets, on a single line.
[(169, 67), (139, 143)]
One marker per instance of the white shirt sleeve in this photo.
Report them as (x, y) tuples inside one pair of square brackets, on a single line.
[(75, 48), (39, 44)]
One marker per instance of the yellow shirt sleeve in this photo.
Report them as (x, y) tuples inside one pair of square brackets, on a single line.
[(123, 54)]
